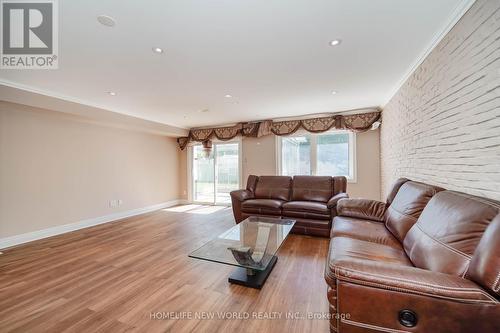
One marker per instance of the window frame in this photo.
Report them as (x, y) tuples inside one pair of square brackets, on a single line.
[(314, 148)]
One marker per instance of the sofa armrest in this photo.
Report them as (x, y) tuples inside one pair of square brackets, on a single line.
[(241, 195), (407, 279), (362, 208), (237, 197), (333, 200)]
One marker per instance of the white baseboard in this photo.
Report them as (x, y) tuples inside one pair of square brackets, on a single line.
[(61, 229)]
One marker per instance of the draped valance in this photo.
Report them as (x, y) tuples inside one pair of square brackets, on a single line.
[(354, 122)]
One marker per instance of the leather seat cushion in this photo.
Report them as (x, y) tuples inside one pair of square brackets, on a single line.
[(361, 229), (348, 249), (307, 210), (262, 206), (344, 248)]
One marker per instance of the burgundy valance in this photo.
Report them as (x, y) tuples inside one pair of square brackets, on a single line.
[(354, 122)]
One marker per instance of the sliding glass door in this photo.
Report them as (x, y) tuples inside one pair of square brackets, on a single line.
[(203, 175), (215, 173)]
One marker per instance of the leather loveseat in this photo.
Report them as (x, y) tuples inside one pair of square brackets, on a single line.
[(426, 260), (310, 200)]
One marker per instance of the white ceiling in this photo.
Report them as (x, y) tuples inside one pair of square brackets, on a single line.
[(272, 56)]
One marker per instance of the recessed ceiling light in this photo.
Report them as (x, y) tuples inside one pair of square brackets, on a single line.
[(228, 96), (106, 20), (335, 42), (112, 93), (334, 92), (205, 110), (157, 50)]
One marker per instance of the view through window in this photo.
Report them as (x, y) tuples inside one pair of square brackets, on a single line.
[(215, 173), (326, 154)]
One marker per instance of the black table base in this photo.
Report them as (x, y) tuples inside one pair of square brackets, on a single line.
[(252, 278)]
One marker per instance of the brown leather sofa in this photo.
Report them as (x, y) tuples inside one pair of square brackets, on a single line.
[(310, 200), (426, 260)]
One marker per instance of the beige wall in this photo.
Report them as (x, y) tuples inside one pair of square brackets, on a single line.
[(259, 158), (368, 166), (57, 169), (443, 125), (183, 182)]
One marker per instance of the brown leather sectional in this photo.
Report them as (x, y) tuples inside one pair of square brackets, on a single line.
[(310, 200), (426, 260)]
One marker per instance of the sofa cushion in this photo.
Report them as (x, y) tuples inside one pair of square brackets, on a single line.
[(408, 280), (339, 184), (362, 209), (407, 206), (262, 206), (346, 249), (306, 209), (312, 188), (395, 189), (366, 230), (448, 232), (273, 187), (252, 183)]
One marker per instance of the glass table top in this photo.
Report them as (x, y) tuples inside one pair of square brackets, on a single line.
[(249, 244)]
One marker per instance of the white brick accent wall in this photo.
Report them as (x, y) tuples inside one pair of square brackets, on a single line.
[(443, 125)]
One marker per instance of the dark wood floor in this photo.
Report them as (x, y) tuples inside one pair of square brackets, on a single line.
[(113, 277)]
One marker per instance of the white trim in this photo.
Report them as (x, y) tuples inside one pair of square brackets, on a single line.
[(61, 229), (242, 183), (313, 154), (456, 15), (353, 157), (189, 173), (277, 143)]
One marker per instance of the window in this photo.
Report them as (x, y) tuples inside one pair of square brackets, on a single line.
[(326, 154), (215, 173), (296, 155)]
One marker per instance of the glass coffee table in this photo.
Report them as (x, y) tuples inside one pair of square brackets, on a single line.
[(251, 246)]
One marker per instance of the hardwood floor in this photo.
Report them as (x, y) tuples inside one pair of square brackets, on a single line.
[(130, 275)]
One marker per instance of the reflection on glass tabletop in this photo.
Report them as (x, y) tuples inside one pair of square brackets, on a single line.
[(249, 244)]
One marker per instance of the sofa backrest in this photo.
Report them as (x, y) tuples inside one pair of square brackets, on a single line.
[(252, 183), (339, 185), (448, 231), (312, 188), (395, 189), (484, 267), (273, 187), (407, 205)]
